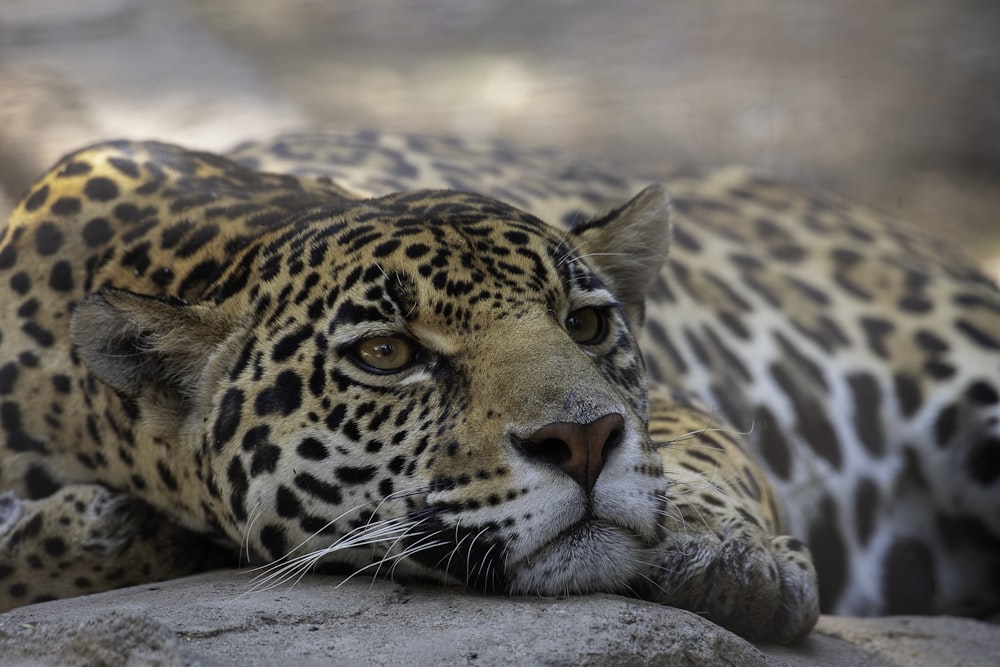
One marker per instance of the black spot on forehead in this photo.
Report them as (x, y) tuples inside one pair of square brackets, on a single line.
[(290, 343), (455, 209), (350, 312)]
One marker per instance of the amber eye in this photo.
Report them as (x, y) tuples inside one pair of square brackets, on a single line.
[(385, 354), (587, 326)]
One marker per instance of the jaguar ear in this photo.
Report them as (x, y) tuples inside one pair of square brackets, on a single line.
[(628, 247), (154, 351)]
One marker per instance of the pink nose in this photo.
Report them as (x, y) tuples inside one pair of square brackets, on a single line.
[(579, 449)]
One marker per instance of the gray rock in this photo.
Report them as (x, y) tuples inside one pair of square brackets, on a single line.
[(216, 619)]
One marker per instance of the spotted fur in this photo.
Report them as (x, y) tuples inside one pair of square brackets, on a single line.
[(192, 351), (860, 356)]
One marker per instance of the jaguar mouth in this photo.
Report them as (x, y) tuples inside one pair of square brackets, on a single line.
[(556, 540), (592, 555)]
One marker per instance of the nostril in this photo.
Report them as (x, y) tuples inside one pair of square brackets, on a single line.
[(578, 449), (550, 450), (614, 439)]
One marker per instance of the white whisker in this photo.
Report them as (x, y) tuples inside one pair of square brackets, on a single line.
[(287, 569)]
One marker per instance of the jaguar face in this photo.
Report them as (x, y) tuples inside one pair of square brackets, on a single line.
[(453, 388)]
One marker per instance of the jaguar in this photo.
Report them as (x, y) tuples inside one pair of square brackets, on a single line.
[(420, 357)]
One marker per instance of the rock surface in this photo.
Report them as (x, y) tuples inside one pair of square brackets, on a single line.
[(217, 619)]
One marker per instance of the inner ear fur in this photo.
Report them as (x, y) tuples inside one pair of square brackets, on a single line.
[(628, 247), (136, 343)]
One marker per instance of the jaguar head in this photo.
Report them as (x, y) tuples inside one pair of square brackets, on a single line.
[(433, 383)]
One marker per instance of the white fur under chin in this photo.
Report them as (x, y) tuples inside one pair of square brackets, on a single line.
[(590, 557)]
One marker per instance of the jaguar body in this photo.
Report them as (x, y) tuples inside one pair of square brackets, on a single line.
[(435, 360)]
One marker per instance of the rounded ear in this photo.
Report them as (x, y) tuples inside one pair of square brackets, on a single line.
[(145, 347), (628, 246)]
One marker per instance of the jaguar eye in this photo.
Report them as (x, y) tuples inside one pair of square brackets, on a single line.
[(385, 354), (587, 326)]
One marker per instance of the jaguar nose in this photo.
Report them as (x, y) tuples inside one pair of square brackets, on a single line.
[(579, 449)]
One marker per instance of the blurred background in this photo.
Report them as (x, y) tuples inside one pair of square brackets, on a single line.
[(895, 103)]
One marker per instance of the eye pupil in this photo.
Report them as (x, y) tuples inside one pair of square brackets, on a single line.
[(384, 353), (383, 349), (586, 326)]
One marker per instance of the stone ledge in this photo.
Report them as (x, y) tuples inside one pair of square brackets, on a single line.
[(213, 619)]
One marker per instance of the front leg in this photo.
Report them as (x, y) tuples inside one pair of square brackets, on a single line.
[(86, 538), (722, 555)]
